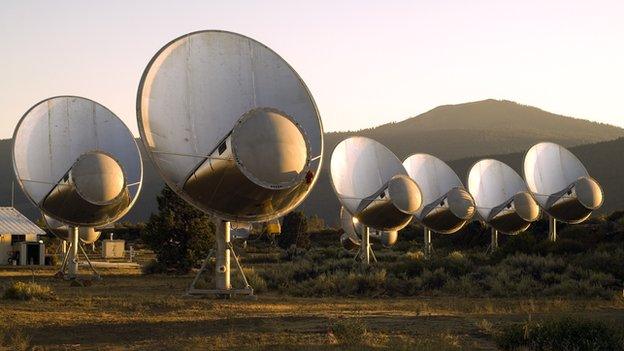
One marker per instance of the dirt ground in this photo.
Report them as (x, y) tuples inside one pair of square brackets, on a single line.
[(126, 310)]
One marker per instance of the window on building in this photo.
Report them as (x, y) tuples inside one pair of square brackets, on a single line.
[(17, 239)]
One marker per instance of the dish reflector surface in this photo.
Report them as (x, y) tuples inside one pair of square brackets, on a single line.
[(359, 168), (215, 105), (501, 196), (434, 177), (87, 235), (69, 150), (560, 183), (352, 230), (447, 206), (492, 183), (550, 168), (372, 185)]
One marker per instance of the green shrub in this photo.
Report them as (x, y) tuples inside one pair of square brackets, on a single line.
[(180, 235), (28, 291), (256, 281), (606, 259), (562, 334)]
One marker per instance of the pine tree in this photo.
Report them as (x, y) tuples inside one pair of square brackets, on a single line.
[(179, 234), (294, 231)]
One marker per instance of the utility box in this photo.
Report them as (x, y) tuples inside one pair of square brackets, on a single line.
[(31, 253), (273, 227), (113, 248)]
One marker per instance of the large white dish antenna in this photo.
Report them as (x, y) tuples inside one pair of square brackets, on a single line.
[(87, 235), (560, 183), (447, 206), (385, 238), (77, 161), (350, 239), (501, 197), (372, 185), (230, 126)]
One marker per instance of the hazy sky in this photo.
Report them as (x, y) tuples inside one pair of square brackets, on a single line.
[(366, 62)]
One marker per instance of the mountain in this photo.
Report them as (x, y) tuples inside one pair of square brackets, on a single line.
[(457, 133), (453, 132)]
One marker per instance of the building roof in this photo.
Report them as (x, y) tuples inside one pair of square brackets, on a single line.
[(13, 222)]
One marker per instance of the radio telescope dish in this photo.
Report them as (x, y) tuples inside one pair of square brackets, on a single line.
[(447, 206), (561, 184), (350, 239), (386, 238), (87, 235), (349, 243), (231, 128), (78, 163), (353, 231), (372, 185), (241, 231), (501, 196)]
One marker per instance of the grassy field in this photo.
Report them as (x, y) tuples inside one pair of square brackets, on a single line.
[(127, 310)]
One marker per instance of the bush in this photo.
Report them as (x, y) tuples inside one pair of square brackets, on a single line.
[(258, 283), (12, 338), (28, 291), (350, 332), (562, 334), (154, 267)]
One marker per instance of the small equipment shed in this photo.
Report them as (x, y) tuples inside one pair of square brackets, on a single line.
[(19, 239)]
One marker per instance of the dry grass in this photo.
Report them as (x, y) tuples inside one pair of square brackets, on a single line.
[(28, 291), (128, 311)]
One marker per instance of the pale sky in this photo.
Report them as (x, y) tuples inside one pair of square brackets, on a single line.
[(366, 62)]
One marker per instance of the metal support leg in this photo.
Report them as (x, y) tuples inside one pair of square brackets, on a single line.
[(240, 269), (95, 273), (202, 269), (493, 241), (552, 229), (365, 246), (72, 269), (61, 271), (223, 286), (222, 273), (372, 253), (428, 246)]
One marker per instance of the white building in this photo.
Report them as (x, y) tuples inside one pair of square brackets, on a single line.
[(19, 239)]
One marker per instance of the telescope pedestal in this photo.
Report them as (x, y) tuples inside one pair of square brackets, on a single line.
[(223, 250), (552, 229), (493, 241), (365, 252), (71, 259), (72, 264), (428, 246)]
